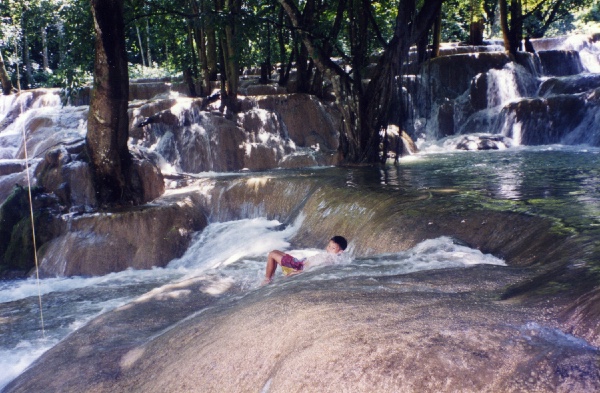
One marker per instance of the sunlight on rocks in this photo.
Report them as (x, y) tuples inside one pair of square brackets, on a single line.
[(257, 182)]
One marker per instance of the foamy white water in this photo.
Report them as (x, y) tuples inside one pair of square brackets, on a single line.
[(224, 254)]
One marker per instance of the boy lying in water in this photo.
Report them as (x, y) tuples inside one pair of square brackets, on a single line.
[(291, 265)]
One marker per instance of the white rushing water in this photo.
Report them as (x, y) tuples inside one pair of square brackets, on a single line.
[(231, 252)]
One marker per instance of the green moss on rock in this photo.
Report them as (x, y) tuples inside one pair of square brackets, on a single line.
[(16, 240)]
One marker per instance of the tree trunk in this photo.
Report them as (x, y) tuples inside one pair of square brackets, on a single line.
[(504, 25), (281, 40), (191, 40), (149, 56), (303, 65), (516, 26), (437, 34), (302, 68), (477, 24), (45, 63), (211, 45), (27, 62), (137, 30), (61, 43), (18, 76), (230, 56), (204, 64), (4, 78), (106, 141), (200, 38)]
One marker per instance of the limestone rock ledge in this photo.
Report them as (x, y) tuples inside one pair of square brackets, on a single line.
[(139, 238)]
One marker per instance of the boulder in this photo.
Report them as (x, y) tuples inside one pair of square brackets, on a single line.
[(446, 119), (16, 233), (484, 142), (8, 167), (71, 180), (478, 92), (399, 143), (262, 90), (146, 177)]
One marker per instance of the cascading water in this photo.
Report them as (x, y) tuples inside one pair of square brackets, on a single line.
[(225, 263), (491, 95), (227, 257), (416, 231)]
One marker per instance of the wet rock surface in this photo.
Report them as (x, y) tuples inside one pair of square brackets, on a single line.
[(444, 332), (139, 238), (484, 142), (560, 63), (473, 92)]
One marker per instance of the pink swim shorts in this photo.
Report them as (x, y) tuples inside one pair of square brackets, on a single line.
[(289, 261)]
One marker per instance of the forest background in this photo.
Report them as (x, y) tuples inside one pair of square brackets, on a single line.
[(50, 43)]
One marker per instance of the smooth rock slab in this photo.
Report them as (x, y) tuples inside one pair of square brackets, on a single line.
[(440, 331)]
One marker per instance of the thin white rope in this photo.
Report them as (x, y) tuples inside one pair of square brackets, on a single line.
[(37, 270)]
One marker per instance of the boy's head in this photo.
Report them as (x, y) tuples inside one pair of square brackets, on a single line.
[(337, 244)]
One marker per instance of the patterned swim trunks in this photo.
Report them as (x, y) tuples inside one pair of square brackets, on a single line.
[(290, 262)]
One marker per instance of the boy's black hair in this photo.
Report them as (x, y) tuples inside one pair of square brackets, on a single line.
[(340, 241)]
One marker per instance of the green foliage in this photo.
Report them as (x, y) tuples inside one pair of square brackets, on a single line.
[(593, 13), (137, 71), (552, 17), (70, 80), (455, 29), (164, 28)]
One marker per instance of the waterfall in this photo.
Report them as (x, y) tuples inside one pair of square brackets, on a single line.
[(508, 84), (544, 98), (45, 122)]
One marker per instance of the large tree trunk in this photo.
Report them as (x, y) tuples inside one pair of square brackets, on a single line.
[(4, 78), (477, 24), (516, 26), (200, 38), (108, 131), (437, 33), (284, 64)]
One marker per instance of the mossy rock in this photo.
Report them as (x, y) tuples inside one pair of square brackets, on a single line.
[(16, 240)]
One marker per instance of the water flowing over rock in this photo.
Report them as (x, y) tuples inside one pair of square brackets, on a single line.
[(139, 238), (271, 131), (560, 63), (546, 97), (561, 118), (451, 330), (528, 326)]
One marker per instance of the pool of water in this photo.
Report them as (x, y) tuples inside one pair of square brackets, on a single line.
[(562, 183)]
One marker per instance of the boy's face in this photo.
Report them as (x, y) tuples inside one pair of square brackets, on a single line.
[(333, 247)]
